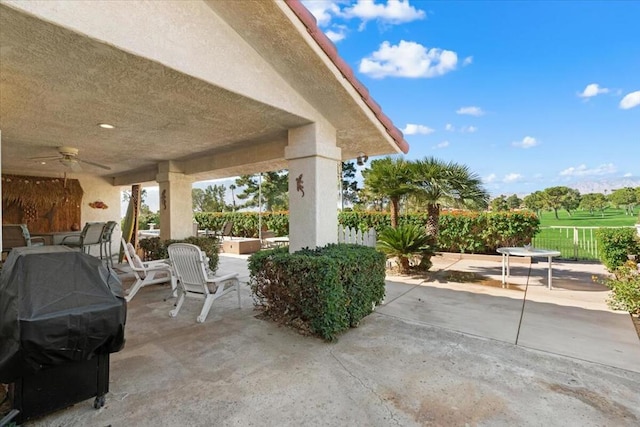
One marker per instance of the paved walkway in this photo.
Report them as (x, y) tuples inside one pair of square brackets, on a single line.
[(438, 353), (572, 319)]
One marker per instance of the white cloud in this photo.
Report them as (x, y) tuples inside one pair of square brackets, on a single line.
[(468, 129), (471, 111), (394, 12), (413, 129), (627, 175), (449, 127), (527, 142), (630, 100), (322, 10), (467, 61), (408, 59), (338, 34), (512, 177), (593, 89), (490, 178), (443, 144), (582, 170)]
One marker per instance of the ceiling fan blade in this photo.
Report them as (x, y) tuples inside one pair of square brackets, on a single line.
[(44, 158), (94, 164)]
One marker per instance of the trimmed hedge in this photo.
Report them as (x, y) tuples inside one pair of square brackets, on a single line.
[(614, 244), (326, 290), (460, 231)]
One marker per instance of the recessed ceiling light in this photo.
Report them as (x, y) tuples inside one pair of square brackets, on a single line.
[(106, 126), (43, 163)]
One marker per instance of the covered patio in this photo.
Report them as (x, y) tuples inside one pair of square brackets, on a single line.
[(436, 353), (193, 91)]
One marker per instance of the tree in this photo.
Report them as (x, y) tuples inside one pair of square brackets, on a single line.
[(625, 197), (514, 202), (593, 202), (389, 177), (349, 184), (144, 207), (561, 198), (233, 187), (534, 202), (211, 199), (438, 184), (275, 190), (499, 204)]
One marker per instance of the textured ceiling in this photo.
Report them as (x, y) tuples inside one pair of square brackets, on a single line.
[(57, 85)]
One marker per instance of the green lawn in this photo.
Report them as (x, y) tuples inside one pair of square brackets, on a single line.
[(563, 239), (611, 218)]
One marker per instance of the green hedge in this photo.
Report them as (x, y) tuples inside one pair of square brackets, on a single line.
[(461, 231), (614, 244), (467, 232), (326, 290)]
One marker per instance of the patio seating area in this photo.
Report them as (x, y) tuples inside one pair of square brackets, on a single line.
[(438, 352)]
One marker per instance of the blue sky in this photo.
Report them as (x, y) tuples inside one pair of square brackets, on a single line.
[(527, 94)]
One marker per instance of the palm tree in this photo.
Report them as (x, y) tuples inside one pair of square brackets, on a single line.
[(389, 177), (438, 183)]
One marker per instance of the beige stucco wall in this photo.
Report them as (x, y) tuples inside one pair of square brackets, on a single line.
[(187, 36)]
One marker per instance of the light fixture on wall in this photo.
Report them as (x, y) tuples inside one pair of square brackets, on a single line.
[(362, 159)]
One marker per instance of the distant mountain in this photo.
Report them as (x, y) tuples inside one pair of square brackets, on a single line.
[(604, 187)]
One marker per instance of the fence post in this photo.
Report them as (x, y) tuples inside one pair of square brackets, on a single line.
[(576, 242)]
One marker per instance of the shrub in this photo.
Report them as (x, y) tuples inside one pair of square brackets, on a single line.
[(460, 231), (614, 244), (625, 287), (154, 248), (325, 291), (404, 242)]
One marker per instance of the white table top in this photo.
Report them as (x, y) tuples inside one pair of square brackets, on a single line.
[(533, 252)]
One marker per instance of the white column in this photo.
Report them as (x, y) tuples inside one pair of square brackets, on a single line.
[(313, 197), (176, 209)]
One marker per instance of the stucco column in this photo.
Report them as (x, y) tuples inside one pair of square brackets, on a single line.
[(176, 210), (313, 186)]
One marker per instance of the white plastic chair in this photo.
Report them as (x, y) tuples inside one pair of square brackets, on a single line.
[(147, 273), (190, 267)]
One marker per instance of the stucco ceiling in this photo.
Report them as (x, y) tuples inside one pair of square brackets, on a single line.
[(56, 86)]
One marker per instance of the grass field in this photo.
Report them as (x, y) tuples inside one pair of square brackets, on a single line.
[(563, 239), (610, 218)]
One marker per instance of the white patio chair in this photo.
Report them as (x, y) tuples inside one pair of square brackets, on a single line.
[(190, 267), (147, 273)]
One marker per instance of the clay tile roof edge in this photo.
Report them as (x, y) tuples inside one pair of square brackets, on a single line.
[(329, 48)]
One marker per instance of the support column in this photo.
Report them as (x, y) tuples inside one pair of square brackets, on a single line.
[(176, 209), (313, 197)]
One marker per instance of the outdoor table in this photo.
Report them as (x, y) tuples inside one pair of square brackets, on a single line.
[(521, 251), (278, 241)]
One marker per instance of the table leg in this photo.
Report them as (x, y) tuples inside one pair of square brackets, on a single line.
[(549, 280), (503, 269)]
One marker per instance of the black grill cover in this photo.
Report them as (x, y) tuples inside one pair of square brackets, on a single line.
[(56, 306)]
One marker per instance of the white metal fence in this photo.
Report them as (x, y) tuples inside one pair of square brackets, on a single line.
[(351, 235), (572, 242)]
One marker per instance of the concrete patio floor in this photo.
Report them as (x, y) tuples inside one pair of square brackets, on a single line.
[(436, 353)]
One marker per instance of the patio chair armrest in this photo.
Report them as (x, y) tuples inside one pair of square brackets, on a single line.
[(220, 279), (38, 239), (157, 263), (76, 239)]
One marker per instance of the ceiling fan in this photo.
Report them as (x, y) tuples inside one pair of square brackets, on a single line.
[(68, 156)]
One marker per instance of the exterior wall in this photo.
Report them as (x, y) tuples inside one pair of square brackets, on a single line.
[(96, 188)]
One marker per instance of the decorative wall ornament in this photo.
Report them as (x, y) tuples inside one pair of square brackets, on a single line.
[(300, 184), (164, 199), (98, 204)]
